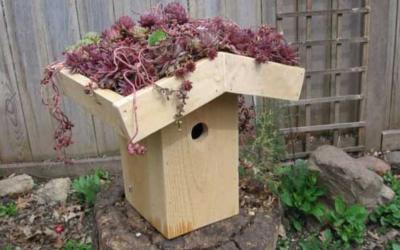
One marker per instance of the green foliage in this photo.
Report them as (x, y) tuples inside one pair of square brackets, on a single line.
[(11, 247), (348, 221), (156, 37), (299, 192), (393, 245), (392, 182), (88, 186), (8, 210), (389, 214), (74, 245), (324, 242), (282, 244), (268, 147), (88, 38)]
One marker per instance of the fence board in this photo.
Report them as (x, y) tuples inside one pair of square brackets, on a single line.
[(61, 30), (379, 75), (28, 52), (395, 105), (95, 15), (14, 143), (130, 8), (206, 8)]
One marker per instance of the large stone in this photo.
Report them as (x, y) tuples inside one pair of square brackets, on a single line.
[(54, 191), (347, 177), (16, 184), (375, 164)]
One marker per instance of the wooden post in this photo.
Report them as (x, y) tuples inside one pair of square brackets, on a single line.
[(189, 176)]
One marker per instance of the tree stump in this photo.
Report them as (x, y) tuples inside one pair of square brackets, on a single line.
[(120, 227)]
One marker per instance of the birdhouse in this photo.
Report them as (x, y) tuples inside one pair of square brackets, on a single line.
[(188, 177)]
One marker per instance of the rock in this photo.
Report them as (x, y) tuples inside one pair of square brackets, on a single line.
[(16, 184), (393, 158), (54, 191), (347, 177), (374, 164)]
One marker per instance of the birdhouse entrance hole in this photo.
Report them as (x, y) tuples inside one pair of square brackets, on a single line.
[(199, 130)]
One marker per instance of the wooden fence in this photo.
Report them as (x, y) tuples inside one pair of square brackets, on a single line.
[(350, 48)]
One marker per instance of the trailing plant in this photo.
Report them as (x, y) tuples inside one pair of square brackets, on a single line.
[(75, 245), (87, 187), (129, 56), (8, 210), (348, 222), (389, 214), (262, 145), (299, 192)]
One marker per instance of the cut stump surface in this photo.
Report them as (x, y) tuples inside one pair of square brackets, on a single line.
[(120, 227)]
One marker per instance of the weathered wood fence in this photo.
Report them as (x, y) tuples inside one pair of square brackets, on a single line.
[(351, 49)]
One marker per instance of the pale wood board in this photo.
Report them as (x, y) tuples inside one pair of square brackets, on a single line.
[(155, 111), (14, 142), (99, 103), (390, 140), (273, 80), (96, 16), (182, 184), (227, 73)]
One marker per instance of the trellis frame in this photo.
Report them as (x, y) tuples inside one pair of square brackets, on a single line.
[(335, 11)]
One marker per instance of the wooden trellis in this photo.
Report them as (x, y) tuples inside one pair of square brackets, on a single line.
[(303, 14)]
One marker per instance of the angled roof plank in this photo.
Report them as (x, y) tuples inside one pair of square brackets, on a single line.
[(227, 73)]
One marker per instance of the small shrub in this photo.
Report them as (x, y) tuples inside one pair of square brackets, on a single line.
[(88, 186), (264, 147), (389, 214), (8, 210), (299, 192), (348, 221), (74, 245)]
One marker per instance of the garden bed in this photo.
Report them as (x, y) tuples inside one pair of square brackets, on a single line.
[(114, 224), (35, 225)]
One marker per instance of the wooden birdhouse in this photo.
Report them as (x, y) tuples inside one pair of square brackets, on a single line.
[(188, 177)]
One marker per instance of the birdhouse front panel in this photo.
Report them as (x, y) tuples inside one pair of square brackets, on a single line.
[(192, 172)]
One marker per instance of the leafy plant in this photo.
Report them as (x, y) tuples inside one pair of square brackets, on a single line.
[(156, 37), (282, 244), (348, 222), (326, 241), (75, 245), (389, 214), (299, 192), (8, 210), (88, 39), (88, 186), (393, 245), (392, 182)]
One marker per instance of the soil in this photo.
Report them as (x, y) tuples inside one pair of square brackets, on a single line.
[(44, 226)]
